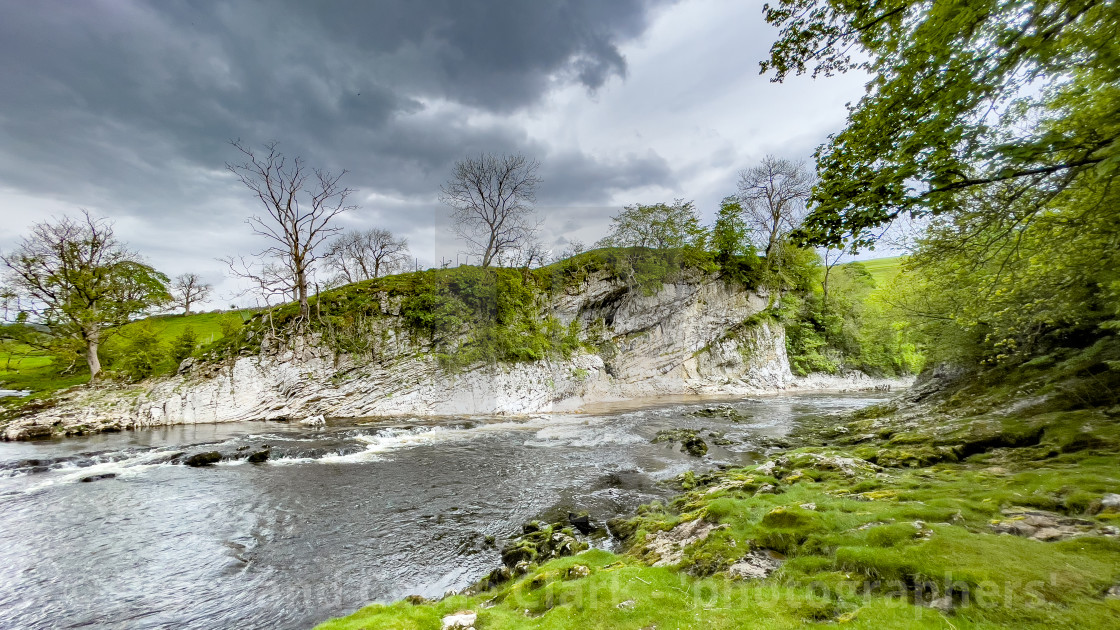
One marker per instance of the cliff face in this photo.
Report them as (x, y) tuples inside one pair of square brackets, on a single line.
[(698, 336)]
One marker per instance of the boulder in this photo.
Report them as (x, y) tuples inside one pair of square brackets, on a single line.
[(260, 456), (462, 620), (577, 571), (695, 446), (314, 421), (756, 565), (1110, 503), (34, 432), (582, 522), (98, 477), (203, 459)]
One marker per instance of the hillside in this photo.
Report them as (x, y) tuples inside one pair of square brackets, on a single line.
[(461, 341)]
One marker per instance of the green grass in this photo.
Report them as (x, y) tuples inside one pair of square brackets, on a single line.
[(208, 326), (23, 367), (882, 270)]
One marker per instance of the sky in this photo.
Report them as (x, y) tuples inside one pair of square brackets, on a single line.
[(127, 109)]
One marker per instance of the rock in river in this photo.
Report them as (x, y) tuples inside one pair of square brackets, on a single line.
[(203, 459), (695, 446)]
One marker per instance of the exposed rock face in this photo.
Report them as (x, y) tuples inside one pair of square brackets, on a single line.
[(668, 547), (689, 338), (756, 565), (1046, 526)]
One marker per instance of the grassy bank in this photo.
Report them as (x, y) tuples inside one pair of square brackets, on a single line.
[(44, 370), (984, 504)]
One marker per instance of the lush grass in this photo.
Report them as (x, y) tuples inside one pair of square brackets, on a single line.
[(208, 326), (24, 367), (882, 270)]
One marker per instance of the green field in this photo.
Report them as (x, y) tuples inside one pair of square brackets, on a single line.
[(882, 270), (24, 367)]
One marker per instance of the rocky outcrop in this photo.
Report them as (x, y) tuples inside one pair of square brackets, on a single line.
[(698, 336)]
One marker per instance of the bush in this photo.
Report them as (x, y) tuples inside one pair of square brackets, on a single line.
[(142, 352), (184, 345)]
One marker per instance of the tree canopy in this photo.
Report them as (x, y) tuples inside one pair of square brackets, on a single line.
[(656, 226), (963, 94), (77, 279)]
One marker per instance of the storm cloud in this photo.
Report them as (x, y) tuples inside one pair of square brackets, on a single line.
[(128, 107)]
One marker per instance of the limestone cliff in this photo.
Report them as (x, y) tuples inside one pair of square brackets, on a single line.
[(696, 336)]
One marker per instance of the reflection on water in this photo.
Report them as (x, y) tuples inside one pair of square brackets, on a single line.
[(338, 517)]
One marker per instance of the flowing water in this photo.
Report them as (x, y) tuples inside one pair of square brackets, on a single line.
[(356, 512)]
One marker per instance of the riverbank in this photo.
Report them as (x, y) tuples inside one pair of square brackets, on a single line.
[(985, 501), (69, 416), (334, 517)]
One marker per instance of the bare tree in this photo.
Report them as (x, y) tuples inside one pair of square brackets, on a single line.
[(77, 279), (773, 195), (299, 203), (491, 199), (187, 289), (359, 255)]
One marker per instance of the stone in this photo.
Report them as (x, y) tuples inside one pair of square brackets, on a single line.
[(1110, 503), (942, 604), (626, 605), (314, 421), (203, 459), (756, 565), (809, 506), (1042, 525), (669, 546), (695, 446), (577, 571), (1113, 593), (417, 600), (462, 620), (582, 522), (260, 456), (34, 432), (767, 488), (98, 477)]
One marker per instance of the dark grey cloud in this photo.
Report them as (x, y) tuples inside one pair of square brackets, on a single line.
[(579, 178), (126, 107), (129, 92)]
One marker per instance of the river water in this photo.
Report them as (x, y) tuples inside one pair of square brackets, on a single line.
[(353, 513)]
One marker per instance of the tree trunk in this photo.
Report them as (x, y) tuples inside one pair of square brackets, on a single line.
[(186, 307), (301, 289), (93, 339)]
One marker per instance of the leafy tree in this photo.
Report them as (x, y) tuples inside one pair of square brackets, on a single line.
[(730, 235), (964, 95), (143, 351), (77, 279), (656, 226)]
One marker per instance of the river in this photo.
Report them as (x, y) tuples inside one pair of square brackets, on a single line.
[(356, 512)]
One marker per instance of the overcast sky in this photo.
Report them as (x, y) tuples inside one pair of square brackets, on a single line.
[(126, 108)]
